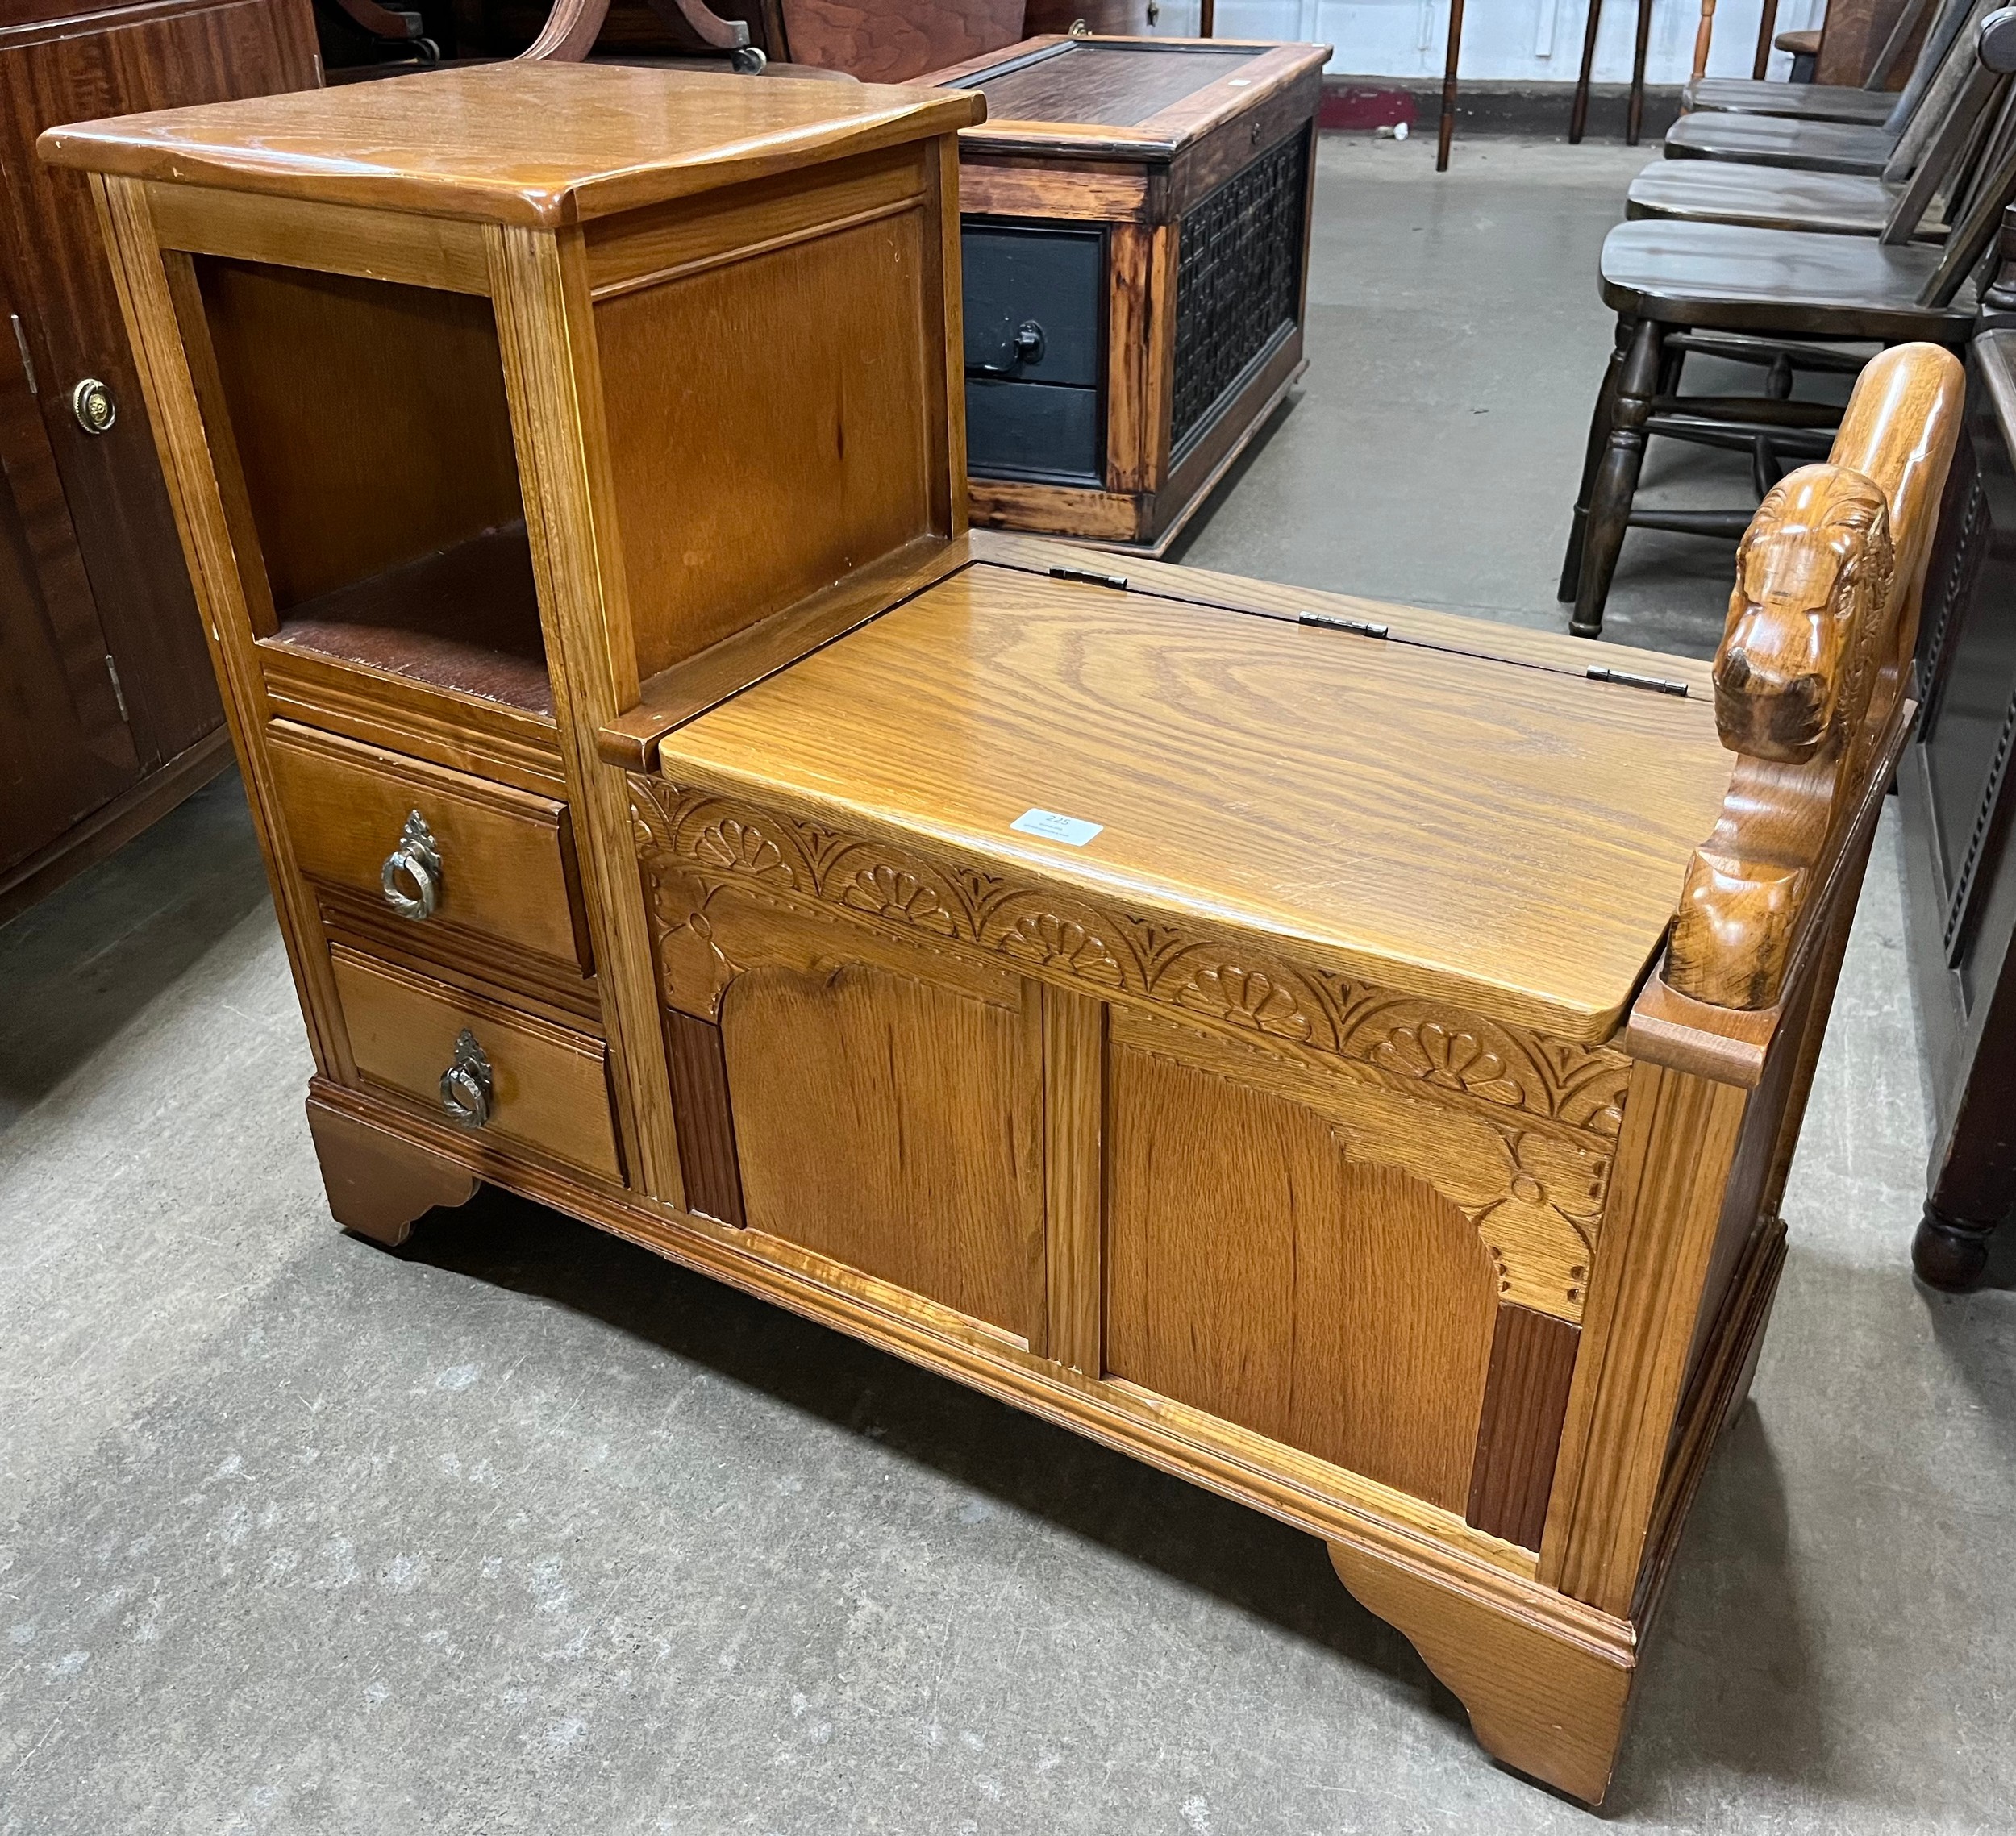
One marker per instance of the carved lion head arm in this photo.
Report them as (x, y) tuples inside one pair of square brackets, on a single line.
[(1809, 622), (1814, 582)]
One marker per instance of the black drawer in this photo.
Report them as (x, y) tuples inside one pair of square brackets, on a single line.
[(1034, 430), (1050, 279)]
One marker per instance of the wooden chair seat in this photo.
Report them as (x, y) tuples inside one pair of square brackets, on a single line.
[(1765, 198), (1795, 102), (1734, 278), (1772, 140)]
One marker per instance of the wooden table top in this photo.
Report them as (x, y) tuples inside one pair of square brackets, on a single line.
[(1496, 829), (1142, 98), (514, 143)]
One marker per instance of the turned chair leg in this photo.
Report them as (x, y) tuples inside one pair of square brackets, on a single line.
[(1951, 1252), (1616, 480), (1599, 430), (379, 1183)]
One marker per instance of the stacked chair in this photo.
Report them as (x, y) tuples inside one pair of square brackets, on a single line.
[(1871, 105), (1787, 271)]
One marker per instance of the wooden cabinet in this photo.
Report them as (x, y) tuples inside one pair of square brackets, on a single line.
[(1136, 256), (1346, 1055), (1960, 810), (113, 715)]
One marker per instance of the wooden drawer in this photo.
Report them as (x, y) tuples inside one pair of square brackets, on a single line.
[(549, 1087), (507, 857)]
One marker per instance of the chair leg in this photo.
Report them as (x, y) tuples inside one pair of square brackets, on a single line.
[(1616, 480), (1599, 428)]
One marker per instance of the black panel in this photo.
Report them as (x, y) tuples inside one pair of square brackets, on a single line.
[(1970, 725), (1239, 284), (1053, 279), (1034, 430)]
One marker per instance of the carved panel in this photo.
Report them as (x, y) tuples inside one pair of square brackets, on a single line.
[(694, 842), (1535, 1199)]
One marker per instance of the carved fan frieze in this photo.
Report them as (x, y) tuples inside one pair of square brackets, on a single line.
[(692, 841)]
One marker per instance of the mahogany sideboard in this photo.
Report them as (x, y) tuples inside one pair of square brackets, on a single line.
[(1136, 256), (1344, 1055), (110, 714)]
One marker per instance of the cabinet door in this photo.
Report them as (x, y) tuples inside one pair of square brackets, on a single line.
[(65, 749), (159, 56)]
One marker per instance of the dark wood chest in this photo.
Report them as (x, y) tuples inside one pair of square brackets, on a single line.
[(1136, 250)]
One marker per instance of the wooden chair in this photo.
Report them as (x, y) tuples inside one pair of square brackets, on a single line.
[(1870, 104), (573, 26), (1710, 191), (1635, 116), (891, 41), (1677, 287), (1888, 150)]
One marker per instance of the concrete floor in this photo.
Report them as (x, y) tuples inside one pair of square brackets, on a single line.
[(525, 1531)]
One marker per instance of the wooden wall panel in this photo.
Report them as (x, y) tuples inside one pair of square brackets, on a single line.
[(369, 417), (897, 1126), (718, 382), (1255, 1271)]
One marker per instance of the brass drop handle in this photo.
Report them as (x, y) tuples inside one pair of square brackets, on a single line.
[(415, 863), (467, 1084)]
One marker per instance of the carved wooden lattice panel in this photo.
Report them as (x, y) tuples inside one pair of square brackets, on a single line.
[(1238, 282)]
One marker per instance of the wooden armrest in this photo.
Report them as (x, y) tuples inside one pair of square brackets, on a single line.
[(1810, 679), (1800, 44)]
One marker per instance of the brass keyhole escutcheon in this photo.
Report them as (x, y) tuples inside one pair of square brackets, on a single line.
[(91, 402)]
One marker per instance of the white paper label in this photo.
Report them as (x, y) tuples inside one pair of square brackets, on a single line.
[(1055, 828)]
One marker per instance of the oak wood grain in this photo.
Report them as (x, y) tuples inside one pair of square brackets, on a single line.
[(1074, 1109), (897, 1127), (837, 404), (436, 252), (526, 144), (552, 1086), (506, 870), (368, 417), (1550, 1704), (546, 339), (1257, 1272), (1239, 766)]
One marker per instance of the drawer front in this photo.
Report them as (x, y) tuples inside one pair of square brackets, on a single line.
[(546, 1088), (505, 858), (1029, 429), (1052, 280)]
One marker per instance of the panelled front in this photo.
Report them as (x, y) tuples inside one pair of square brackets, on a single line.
[(1376, 1262), (1035, 350), (501, 1074), (489, 865)]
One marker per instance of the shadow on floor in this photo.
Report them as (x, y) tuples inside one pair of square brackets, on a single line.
[(1731, 1682), (1225, 1549), (81, 964)]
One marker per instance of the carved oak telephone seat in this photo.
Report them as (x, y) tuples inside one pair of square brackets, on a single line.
[(1348, 1055)]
